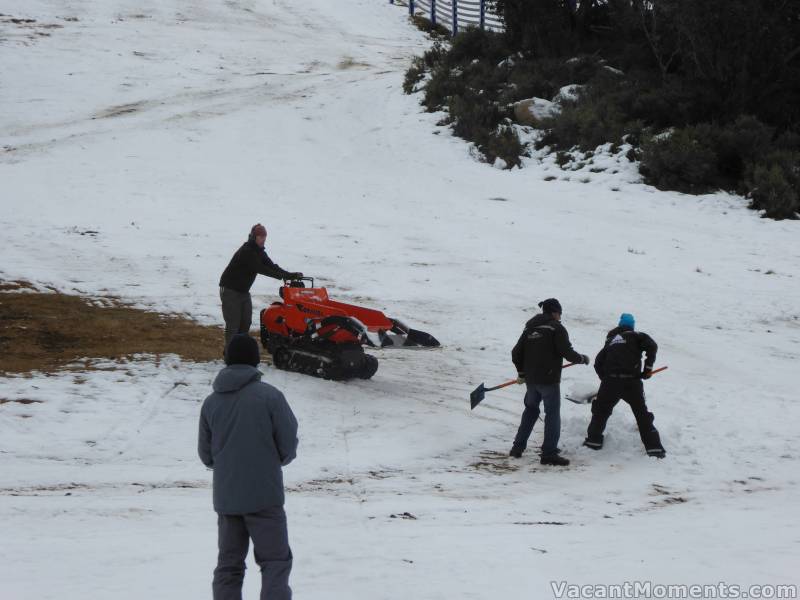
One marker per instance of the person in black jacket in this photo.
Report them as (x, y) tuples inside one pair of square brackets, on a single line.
[(237, 278), (538, 356), (619, 366)]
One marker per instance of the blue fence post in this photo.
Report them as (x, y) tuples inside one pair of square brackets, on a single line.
[(411, 7), (433, 12), (483, 14), (455, 17)]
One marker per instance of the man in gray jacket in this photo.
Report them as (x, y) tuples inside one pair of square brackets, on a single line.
[(247, 433)]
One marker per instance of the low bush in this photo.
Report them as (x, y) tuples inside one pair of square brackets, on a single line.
[(706, 156), (773, 184), (681, 160), (414, 74), (436, 31), (686, 134), (504, 143)]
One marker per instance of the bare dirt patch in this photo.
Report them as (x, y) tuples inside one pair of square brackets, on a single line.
[(494, 462), (19, 401), (348, 62), (24, 30), (46, 331), (118, 111)]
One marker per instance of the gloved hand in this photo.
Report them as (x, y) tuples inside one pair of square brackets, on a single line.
[(520, 378), (586, 359), (647, 372), (296, 275)]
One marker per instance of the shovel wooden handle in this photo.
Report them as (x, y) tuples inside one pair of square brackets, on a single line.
[(654, 371), (502, 385), (513, 381)]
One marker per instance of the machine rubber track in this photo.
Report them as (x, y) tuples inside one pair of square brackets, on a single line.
[(320, 358)]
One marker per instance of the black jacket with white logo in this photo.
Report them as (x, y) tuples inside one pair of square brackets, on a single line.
[(541, 350), (249, 261), (622, 353)]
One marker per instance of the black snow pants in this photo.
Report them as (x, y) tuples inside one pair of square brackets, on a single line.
[(631, 390), (268, 531)]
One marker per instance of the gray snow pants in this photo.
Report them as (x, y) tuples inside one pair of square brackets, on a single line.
[(237, 310), (267, 529)]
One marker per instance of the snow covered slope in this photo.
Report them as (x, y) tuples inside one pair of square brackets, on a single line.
[(169, 128)]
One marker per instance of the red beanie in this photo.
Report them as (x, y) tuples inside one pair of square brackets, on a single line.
[(258, 230)]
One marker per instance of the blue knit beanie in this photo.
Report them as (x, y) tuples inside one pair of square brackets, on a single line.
[(627, 320)]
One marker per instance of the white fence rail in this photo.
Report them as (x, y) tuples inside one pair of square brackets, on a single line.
[(455, 14)]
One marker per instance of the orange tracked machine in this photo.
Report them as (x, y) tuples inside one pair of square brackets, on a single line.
[(310, 333)]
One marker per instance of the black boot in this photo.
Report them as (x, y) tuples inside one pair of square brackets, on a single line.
[(555, 460), (593, 444), (516, 452), (652, 443)]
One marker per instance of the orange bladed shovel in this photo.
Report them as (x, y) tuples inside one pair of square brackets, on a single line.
[(479, 393)]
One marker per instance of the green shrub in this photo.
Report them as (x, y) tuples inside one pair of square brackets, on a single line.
[(437, 31), (472, 43), (562, 158), (434, 55), (723, 83), (788, 140), (504, 143), (774, 184), (543, 77), (681, 161), (415, 74), (530, 79), (474, 119), (590, 122), (744, 141), (543, 27)]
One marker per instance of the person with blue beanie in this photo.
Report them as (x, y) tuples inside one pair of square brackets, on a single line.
[(627, 320), (619, 366)]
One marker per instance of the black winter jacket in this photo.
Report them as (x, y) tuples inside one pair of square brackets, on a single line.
[(622, 354), (249, 261), (541, 350)]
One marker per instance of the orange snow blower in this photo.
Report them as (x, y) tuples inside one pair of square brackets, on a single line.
[(310, 333)]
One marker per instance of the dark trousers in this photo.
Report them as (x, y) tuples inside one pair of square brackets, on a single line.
[(237, 310), (267, 529), (550, 396), (631, 391)]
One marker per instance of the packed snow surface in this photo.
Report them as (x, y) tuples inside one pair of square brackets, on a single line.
[(138, 144)]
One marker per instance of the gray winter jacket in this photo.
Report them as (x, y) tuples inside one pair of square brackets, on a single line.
[(247, 432)]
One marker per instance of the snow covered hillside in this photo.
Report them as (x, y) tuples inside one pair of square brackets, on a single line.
[(169, 128)]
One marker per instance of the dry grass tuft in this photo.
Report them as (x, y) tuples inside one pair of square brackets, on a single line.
[(47, 331)]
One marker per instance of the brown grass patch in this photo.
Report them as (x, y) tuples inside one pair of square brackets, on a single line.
[(46, 331), (348, 62)]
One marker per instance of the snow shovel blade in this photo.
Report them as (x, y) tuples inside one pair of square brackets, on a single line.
[(589, 398), (478, 394), (586, 399)]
